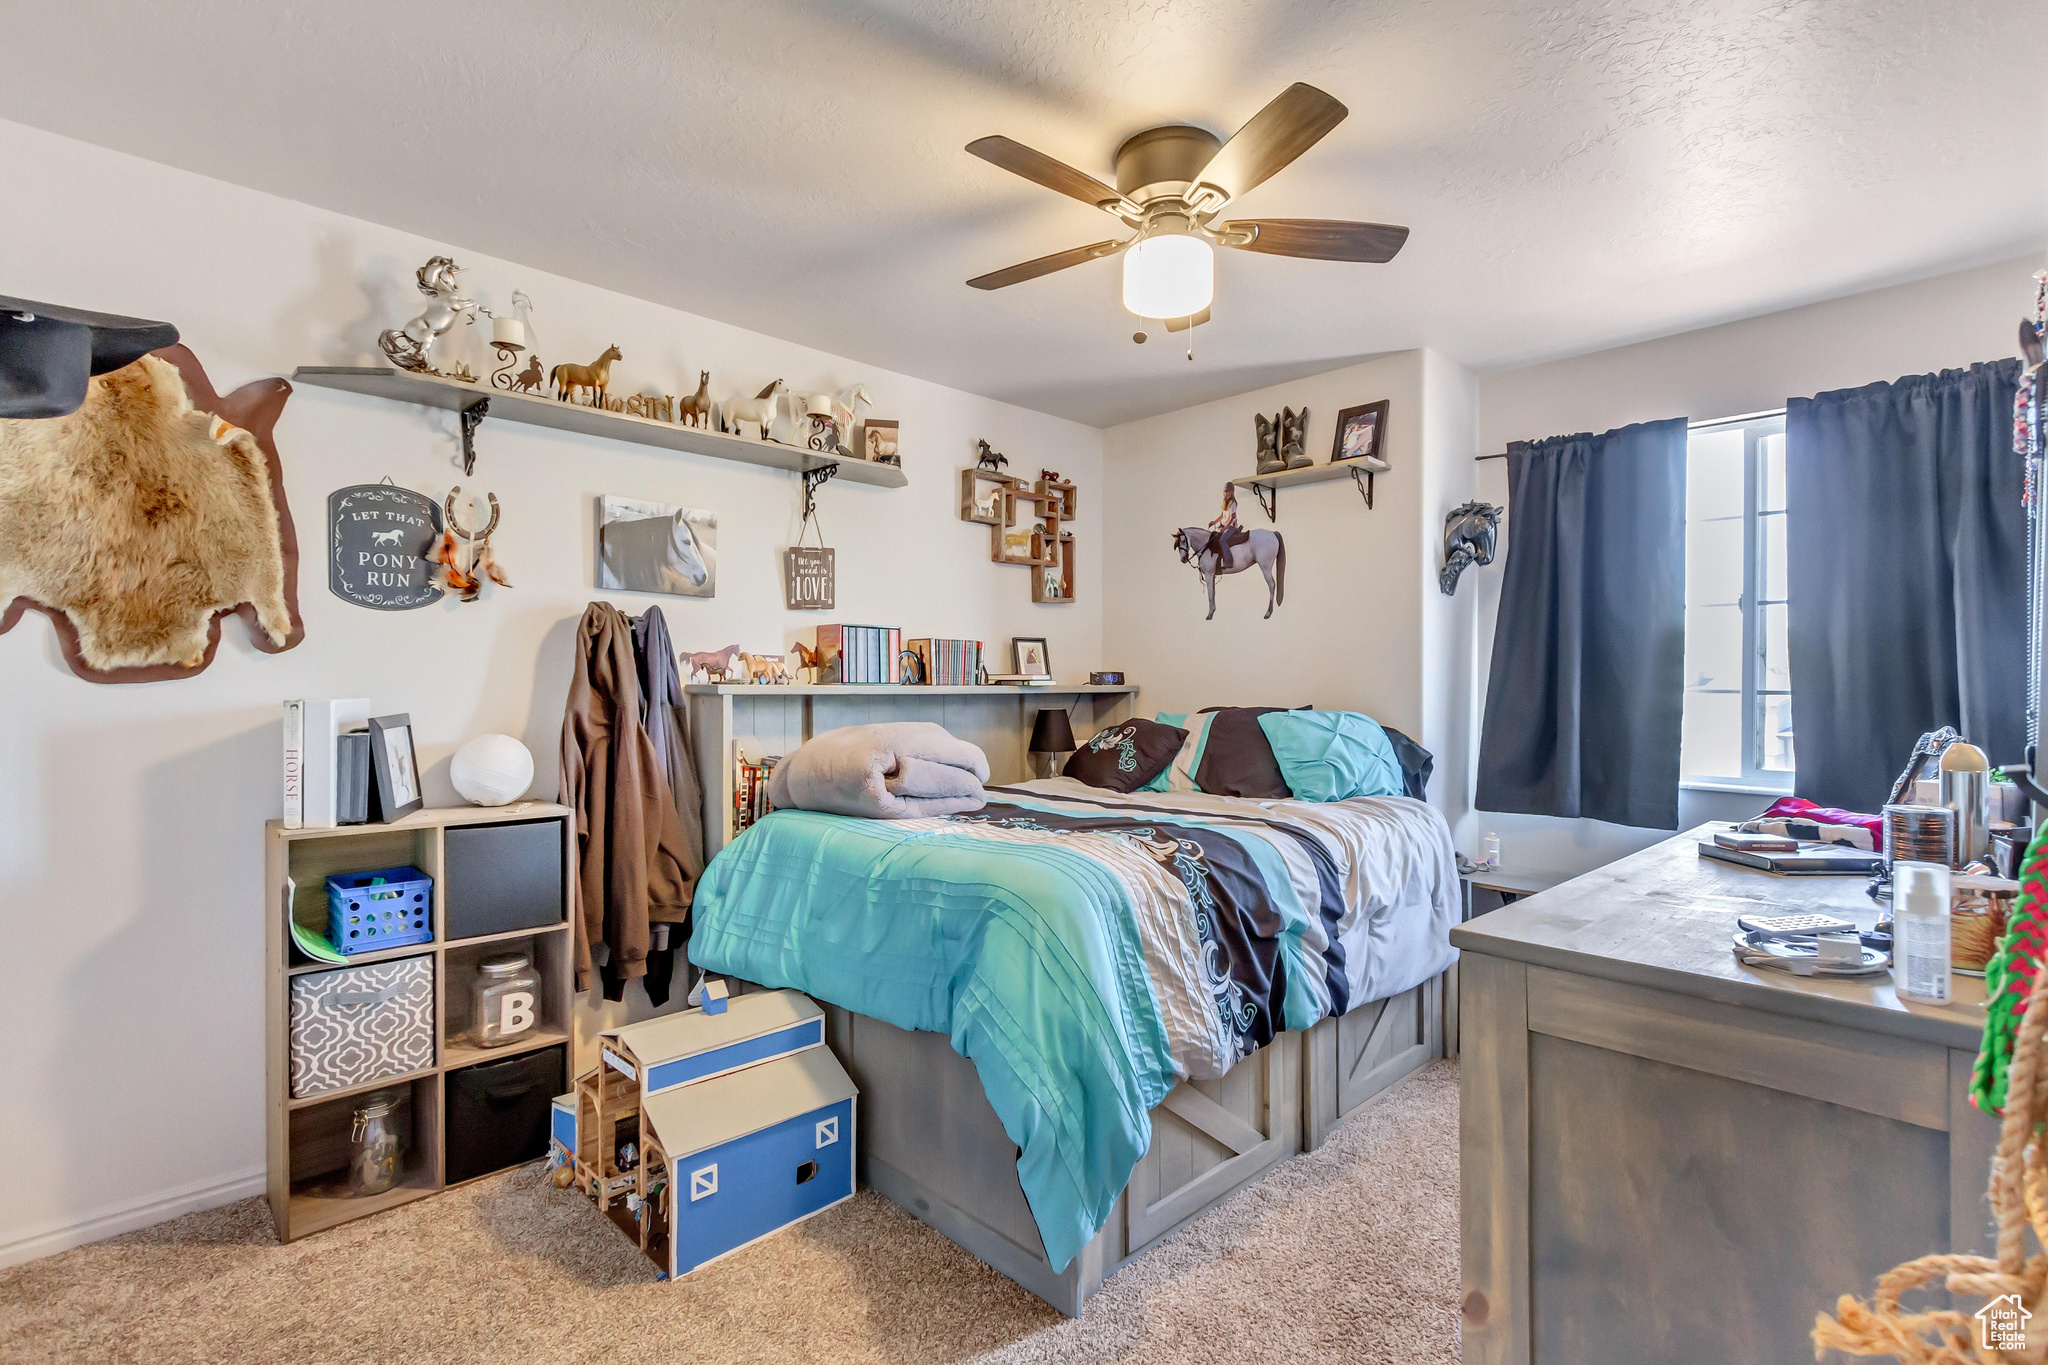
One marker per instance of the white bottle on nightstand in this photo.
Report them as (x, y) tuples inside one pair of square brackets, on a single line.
[(1489, 850), (1920, 931)]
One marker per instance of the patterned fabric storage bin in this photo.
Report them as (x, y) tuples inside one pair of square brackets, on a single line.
[(358, 1025)]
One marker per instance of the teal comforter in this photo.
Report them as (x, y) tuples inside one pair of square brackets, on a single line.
[(1026, 955)]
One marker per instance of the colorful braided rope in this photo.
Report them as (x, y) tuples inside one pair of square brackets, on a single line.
[(2010, 977)]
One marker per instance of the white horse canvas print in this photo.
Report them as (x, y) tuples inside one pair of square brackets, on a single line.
[(653, 547)]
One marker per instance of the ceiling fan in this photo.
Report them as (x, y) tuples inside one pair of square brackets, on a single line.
[(1172, 183)]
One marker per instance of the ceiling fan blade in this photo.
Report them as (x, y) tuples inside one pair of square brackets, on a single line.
[(1192, 320), (1294, 122), (1039, 168), (1318, 239), (1045, 265)]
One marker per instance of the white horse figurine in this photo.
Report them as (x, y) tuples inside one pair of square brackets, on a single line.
[(846, 408), (760, 409)]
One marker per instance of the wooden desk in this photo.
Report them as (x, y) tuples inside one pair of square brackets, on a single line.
[(1669, 1157)]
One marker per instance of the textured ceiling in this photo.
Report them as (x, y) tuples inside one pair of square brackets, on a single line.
[(1576, 175)]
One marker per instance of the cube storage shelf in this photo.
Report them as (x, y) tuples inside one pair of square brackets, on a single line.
[(307, 1139)]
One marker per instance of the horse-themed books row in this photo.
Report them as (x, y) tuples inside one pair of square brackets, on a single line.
[(820, 422)]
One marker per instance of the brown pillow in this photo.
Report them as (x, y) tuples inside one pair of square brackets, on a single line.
[(1238, 760), (1125, 756)]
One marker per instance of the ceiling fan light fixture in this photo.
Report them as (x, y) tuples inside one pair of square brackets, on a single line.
[(1169, 275)]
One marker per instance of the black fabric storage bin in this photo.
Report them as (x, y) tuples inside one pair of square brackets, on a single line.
[(498, 1111), (503, 877)]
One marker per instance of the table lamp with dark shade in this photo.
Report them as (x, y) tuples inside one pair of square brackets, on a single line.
[(1051, 734)]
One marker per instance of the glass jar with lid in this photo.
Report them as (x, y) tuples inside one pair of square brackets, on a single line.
[(504, 1000), (374, 1144)]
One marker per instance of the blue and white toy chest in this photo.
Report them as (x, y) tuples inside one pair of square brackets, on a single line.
[(746, 1111)]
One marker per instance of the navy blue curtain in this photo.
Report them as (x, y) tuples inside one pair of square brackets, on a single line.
[(1587, 689), (1907, 547)]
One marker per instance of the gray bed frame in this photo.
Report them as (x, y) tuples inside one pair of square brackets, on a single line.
[(930, 1142)]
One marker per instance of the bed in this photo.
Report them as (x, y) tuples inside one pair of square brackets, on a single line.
[(1078, 1018)]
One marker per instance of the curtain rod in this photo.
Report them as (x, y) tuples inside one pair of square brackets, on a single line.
[(1689, 426)]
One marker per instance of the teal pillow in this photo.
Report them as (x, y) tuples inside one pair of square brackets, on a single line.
[(1178, 722), (1332, 755)]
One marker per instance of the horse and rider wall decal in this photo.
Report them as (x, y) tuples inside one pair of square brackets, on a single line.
[(1224, 547)]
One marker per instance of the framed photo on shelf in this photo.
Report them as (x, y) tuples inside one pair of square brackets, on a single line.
[(395, 765), (1361, 434), (1029, 656)]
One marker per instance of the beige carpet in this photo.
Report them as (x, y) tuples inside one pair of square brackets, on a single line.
[(1349, 1253)]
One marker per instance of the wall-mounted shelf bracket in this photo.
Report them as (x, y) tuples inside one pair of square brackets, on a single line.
[(472, 418), (1269, 499), (813, 480), (1363, 479)]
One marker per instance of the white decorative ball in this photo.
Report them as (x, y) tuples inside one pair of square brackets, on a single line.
[(491, 770)]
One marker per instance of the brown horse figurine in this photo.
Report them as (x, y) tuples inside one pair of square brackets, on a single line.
[(596, 376), (530, 379), (805, 658), (695, 411)]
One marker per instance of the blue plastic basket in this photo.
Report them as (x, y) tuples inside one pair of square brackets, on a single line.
[(391, 907)]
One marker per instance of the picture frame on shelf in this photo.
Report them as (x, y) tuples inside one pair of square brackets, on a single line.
[(395, 767), (1361, 435), (878, 442), (1029, 656)]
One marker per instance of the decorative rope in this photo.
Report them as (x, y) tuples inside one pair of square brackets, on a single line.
[(2011, 1082)]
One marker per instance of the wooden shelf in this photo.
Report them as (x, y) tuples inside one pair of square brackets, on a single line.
[(766, 691), (303, 1136), (1319, 473), (458, 1055), (402, 386), (358, 960), (319, 1207), (388, 1083), (556, 928), (436, 817)]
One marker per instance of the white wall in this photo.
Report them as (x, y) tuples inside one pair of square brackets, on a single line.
[(1363, 626), (1945, 322), (131, 816)]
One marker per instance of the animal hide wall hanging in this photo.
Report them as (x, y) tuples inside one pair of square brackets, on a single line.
[(138, 521)]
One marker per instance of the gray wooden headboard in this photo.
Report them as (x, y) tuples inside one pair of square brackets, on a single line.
[(762, 720)]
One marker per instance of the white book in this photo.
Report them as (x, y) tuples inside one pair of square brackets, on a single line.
[(295, 764), (326, 719)]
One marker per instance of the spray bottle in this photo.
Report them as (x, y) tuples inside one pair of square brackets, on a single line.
[(1920, 931)]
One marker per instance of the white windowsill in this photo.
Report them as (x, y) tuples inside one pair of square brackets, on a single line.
[(1733, 785)]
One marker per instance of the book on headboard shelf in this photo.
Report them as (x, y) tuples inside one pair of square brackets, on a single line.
[(948, 663), (860, 654)]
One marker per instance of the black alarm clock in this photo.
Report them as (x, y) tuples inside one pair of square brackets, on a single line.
[(1106, 679)]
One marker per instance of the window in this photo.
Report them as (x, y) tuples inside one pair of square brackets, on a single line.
[(1738, 679)]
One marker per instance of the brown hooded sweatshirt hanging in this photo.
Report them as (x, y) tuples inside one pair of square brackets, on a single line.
[(629, 862)]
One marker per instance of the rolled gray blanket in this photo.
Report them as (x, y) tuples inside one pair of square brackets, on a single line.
[(898, 771)]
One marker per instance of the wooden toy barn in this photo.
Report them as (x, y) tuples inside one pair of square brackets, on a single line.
[(702, 1131)]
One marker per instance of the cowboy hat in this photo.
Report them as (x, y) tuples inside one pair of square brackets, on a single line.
[(47, 353)]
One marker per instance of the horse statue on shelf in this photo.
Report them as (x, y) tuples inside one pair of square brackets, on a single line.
[(1196, 545), (1469, 531), (410, 347), (846, 408), (695, 411), (760, 409), (596, 376)]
